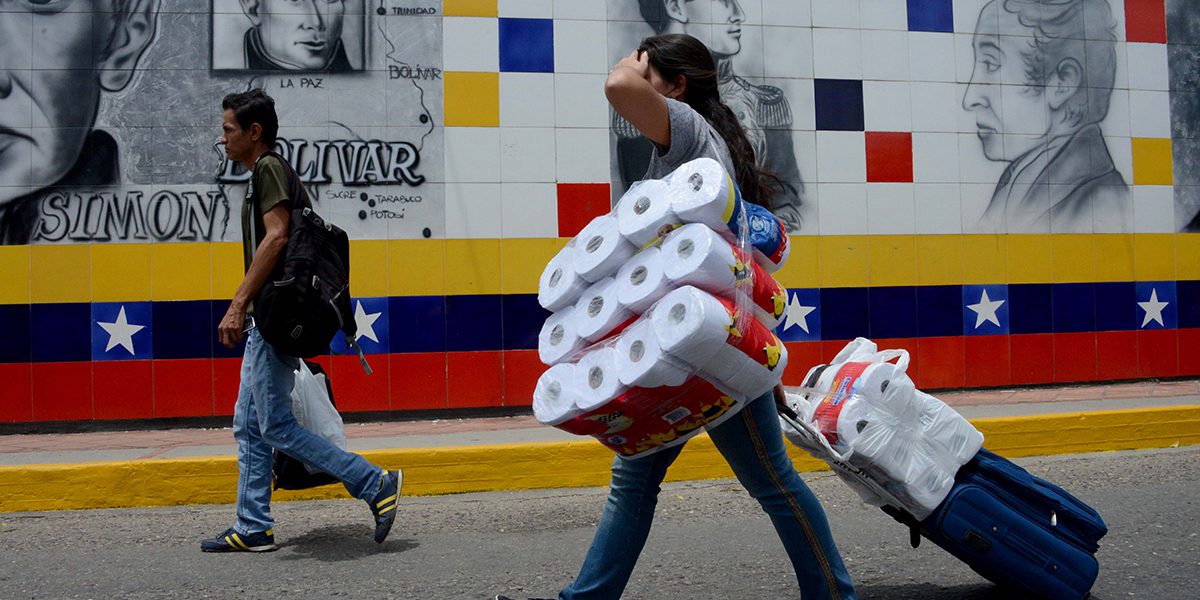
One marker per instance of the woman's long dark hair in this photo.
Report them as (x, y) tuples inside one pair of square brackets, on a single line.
[(675, 54)]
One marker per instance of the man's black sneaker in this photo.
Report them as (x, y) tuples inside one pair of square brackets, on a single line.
[(232, 541), (383, 506)]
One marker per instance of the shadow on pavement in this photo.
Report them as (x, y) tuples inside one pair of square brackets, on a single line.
[(336, 543), (927, 591)]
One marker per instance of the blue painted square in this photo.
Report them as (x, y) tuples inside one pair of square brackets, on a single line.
[(184, 329), (1074, 307), (1157, 307), (217, 310), (1116, 306), (122, 331), (526, 45), (1029, 307), (417, 323), (60, 332), (371, 315), (1188, 294), (802, 318), (14, 323), (985, 309), (845, 313), (523, 319), (839, 104), (473, 323), (893, 312), (939, 310), (931, 15)]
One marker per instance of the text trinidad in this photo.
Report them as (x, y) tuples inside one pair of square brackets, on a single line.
[(358, 162)]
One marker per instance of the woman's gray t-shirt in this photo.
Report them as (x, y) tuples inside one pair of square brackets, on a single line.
[(691, 138)]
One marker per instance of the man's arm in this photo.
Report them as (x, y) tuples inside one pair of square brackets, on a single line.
[(275, 221)]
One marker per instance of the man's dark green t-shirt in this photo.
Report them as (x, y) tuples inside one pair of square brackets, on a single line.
[(268, 187)]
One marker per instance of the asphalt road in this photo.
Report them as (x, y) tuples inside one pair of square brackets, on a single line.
[(710, 540)]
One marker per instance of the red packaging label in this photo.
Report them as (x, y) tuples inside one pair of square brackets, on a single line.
[(830, 408)]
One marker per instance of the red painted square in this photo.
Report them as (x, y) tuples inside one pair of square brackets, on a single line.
[(62, 391), (1116, 355), (521, 371), (16, 395), (354, 390), (1032, 358), (940, 363), (1189, 351), (123, 389), (475, 379), (227, 379), (1146, 21), (418, 380), (183, 388), (1075, 356), (830, 348), (987, 362), (1158, 352), (802, 356), (579, 203), (889, 157)]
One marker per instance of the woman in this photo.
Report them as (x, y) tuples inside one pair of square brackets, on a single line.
[(668, 90)]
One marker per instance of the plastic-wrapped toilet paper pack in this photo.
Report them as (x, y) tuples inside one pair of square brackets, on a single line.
[(644, 212), (559, 338), (641, 362), (559, 285), (598, 381), (598, 312), (642, 281), (555, 394), (691, 325), (600, 249), (768, 237)]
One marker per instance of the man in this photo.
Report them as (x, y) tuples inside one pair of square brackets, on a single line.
[(263, 416), (295, 35), (1040, 87), (47, 112), (762, 109)]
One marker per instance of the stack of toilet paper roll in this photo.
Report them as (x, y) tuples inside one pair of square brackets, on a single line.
[(875, 419)]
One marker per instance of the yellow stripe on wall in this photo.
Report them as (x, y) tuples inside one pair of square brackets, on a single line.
[(14, 274)]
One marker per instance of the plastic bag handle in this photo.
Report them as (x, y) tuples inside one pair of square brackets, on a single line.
[(886, 355)]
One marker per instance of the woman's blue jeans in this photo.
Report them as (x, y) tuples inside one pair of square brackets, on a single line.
[(752, 443), (263, 419)]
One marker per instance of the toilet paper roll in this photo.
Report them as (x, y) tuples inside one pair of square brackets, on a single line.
[(599, 312), (843, 422), (559, 337), (643, 280), (644, 212), (600, 249), (753, 339), (742, 375), (641, 361), (691, 325), (702, 192), (598, 380), (696, 255), (555, 394), (560, 286)]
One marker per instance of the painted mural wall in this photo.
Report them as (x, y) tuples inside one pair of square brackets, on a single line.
[(1008, 188)]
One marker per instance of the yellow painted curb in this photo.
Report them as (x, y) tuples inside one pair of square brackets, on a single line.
[(584, 463)]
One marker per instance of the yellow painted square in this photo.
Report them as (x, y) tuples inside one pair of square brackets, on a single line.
[(1154, 257), (1072, 258), (523, 260), (470, 8), (939, 260), (802, 269), (1187, 256), (1029, 258), (473, 266), (180, 271), (60, 273), (369, 268), (845, 260), (228, 268), (985, 258), (416, 267), (1114, 257), (1152, 161), (472, 99), (14, 274), (893, 260), (120, 272)]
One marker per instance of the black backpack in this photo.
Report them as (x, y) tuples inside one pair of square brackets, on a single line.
[(307, 300)]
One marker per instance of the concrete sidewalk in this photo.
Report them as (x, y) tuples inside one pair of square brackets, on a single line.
[(183, 466)]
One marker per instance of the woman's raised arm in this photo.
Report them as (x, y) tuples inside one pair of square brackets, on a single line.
[(631, 94)]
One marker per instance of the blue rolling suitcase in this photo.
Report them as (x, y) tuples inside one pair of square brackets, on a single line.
[(1015, 529)]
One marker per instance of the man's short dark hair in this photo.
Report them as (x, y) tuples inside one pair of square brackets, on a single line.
[(254, 106)]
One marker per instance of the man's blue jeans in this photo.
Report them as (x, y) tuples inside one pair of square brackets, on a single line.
[(752, 443), (263, 419)]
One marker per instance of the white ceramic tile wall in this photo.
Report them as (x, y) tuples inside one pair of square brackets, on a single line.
[(935, 157), (529, 210), (841, 157), (789, 51), (787, 13), (591, 10), (472, 154), (842, 208), (935, 106), (973, 166), (801, 99), (836, 13), (470, 44), (966, 14), (891, 209), (527, 154), (1119, 221), (526, 9), (1121, 151), (1149, 114), (887, 106), (1117, 121), (580, 46), (883, 14), (527, 99), (579, 101), (473, 210), (931, 56), (938, 208), (837, 54), (973, 201), (1121, 79), (581, 155), (885, 55)]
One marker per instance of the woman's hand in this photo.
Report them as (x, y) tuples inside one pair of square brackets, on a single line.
[(638, 61)]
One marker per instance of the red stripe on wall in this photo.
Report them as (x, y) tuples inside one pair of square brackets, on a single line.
[(475, 379), (16, 395), (1189, 352), (227, 378), (418, 380), (1158, 353), (1117, 354), (123, 389), (987, 361), (354, 390), (1074, 357), (521, 371), (183, 388), (62, 391)]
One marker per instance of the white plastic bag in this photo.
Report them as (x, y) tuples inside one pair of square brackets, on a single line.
[(313, 409)]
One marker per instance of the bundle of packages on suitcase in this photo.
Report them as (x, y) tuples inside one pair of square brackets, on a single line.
[(923, 463), (663, 314)]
